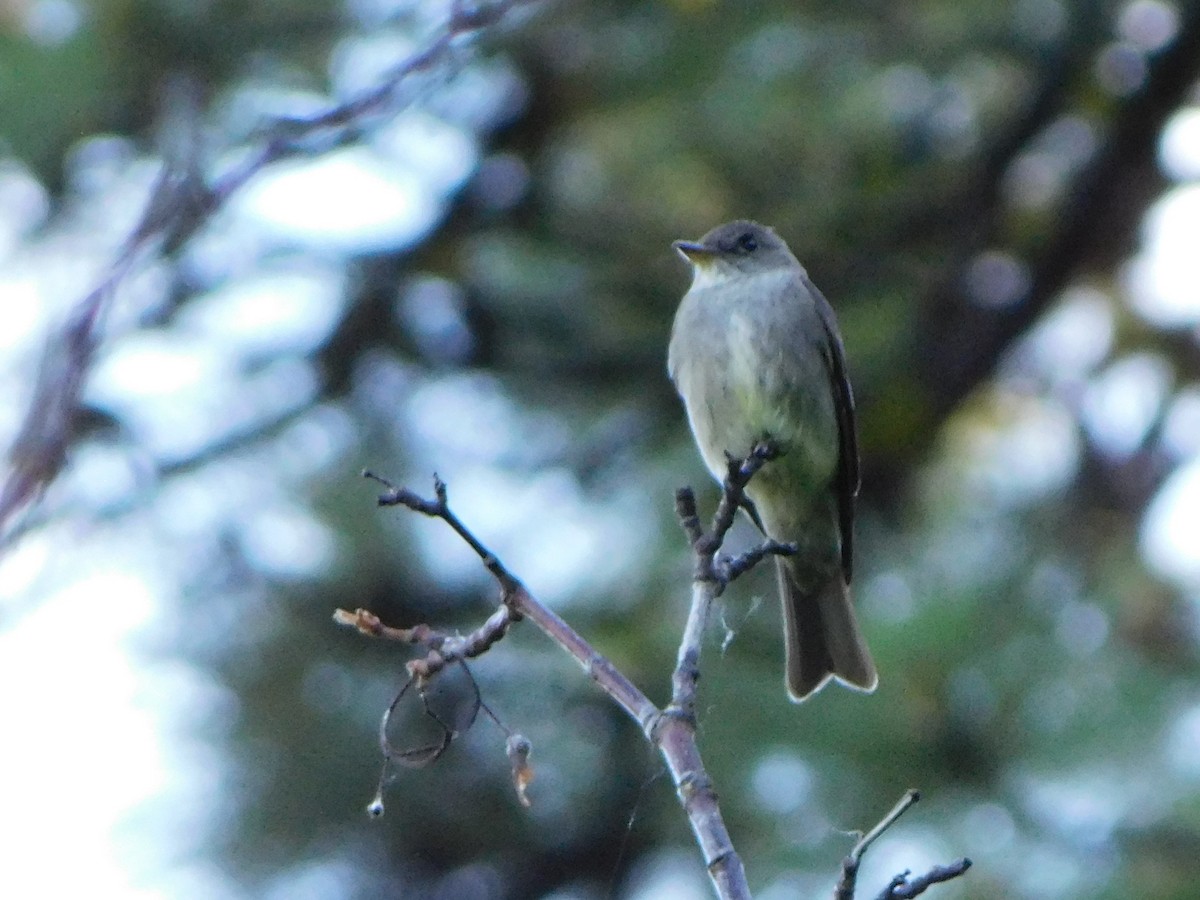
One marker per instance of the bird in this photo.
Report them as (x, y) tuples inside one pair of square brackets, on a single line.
[(756, 356)]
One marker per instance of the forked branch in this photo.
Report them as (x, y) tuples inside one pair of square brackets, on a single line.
[(673, 729)]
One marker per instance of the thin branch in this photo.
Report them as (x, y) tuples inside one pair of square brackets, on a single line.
[(738, 473), (519, 603), (903, 805), (712, 573), (444, 648), (677, 735), (673, 730), (900, 886), (847, 883), (674, 735), (736, 566)]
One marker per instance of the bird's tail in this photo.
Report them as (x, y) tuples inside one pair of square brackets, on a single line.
[(822, 637)]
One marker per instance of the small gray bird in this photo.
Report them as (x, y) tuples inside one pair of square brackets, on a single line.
[(756, 355)]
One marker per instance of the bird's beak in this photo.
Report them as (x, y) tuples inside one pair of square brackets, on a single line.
[(695, 253)]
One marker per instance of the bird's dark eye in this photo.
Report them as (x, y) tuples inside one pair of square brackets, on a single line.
[(747, 243)]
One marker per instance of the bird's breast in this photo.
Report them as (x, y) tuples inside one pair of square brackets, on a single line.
[(748, 359)]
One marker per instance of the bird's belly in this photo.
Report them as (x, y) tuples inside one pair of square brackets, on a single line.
[(767, 389)]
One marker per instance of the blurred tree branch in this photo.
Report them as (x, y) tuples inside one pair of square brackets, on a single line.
[(182, 202), (671, 730), (961, 340)]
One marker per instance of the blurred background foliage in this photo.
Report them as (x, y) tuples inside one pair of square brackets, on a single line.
[(1000, 200)]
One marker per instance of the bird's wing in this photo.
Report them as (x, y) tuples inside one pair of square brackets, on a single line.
[(843, 401)]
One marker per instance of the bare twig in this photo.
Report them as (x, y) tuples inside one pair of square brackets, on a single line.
[(903, 805), (712, 573), (900, 886), (517, 603), (677, 735), (673, 730), (738, 473), (673, 734)]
